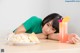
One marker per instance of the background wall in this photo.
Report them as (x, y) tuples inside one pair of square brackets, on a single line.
[(71, 9), (14, 12)]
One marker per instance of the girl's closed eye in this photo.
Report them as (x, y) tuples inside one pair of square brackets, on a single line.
[(53, 29), (48, 24)]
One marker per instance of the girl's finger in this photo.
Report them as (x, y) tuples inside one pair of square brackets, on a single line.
[(70, 41), (77, 40), (77, 37), (74, 40)]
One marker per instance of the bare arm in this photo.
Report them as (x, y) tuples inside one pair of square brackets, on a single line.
[(20, 29), (54, 36), (72, 38), (41, 36)]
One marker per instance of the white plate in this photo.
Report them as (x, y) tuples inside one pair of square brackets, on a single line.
[(31, 43)]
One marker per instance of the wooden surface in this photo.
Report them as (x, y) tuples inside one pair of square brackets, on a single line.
[(46, 46)]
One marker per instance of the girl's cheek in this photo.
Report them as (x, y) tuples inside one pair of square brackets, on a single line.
[(52, 32), (45, 27)]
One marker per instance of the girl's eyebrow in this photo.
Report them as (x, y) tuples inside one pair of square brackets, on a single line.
[(50, 24)]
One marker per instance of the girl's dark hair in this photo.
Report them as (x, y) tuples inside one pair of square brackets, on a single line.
[(54, 17)]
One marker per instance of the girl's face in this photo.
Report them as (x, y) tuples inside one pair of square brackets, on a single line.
[(48, 29)]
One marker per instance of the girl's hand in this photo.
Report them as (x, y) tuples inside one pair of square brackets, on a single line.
[(73, 38)]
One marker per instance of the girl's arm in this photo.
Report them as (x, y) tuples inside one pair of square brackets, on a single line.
[(20, 29), (53, 36), (41, 36), (72, 38)]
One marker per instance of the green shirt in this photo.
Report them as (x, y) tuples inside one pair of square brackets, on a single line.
[(33, 24)]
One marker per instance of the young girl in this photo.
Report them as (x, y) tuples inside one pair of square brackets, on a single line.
[(48, 28)]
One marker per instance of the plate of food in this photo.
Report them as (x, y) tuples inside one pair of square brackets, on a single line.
[(23, 39)]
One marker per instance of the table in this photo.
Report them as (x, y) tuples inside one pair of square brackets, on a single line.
[(46, 46)]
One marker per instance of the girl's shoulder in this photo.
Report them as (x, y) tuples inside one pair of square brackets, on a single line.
[(35, 18)]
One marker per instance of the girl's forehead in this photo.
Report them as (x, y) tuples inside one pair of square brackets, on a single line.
[(50, 22)]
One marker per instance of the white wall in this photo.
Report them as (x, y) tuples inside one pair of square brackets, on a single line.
[(14, 12), (71, 9)]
